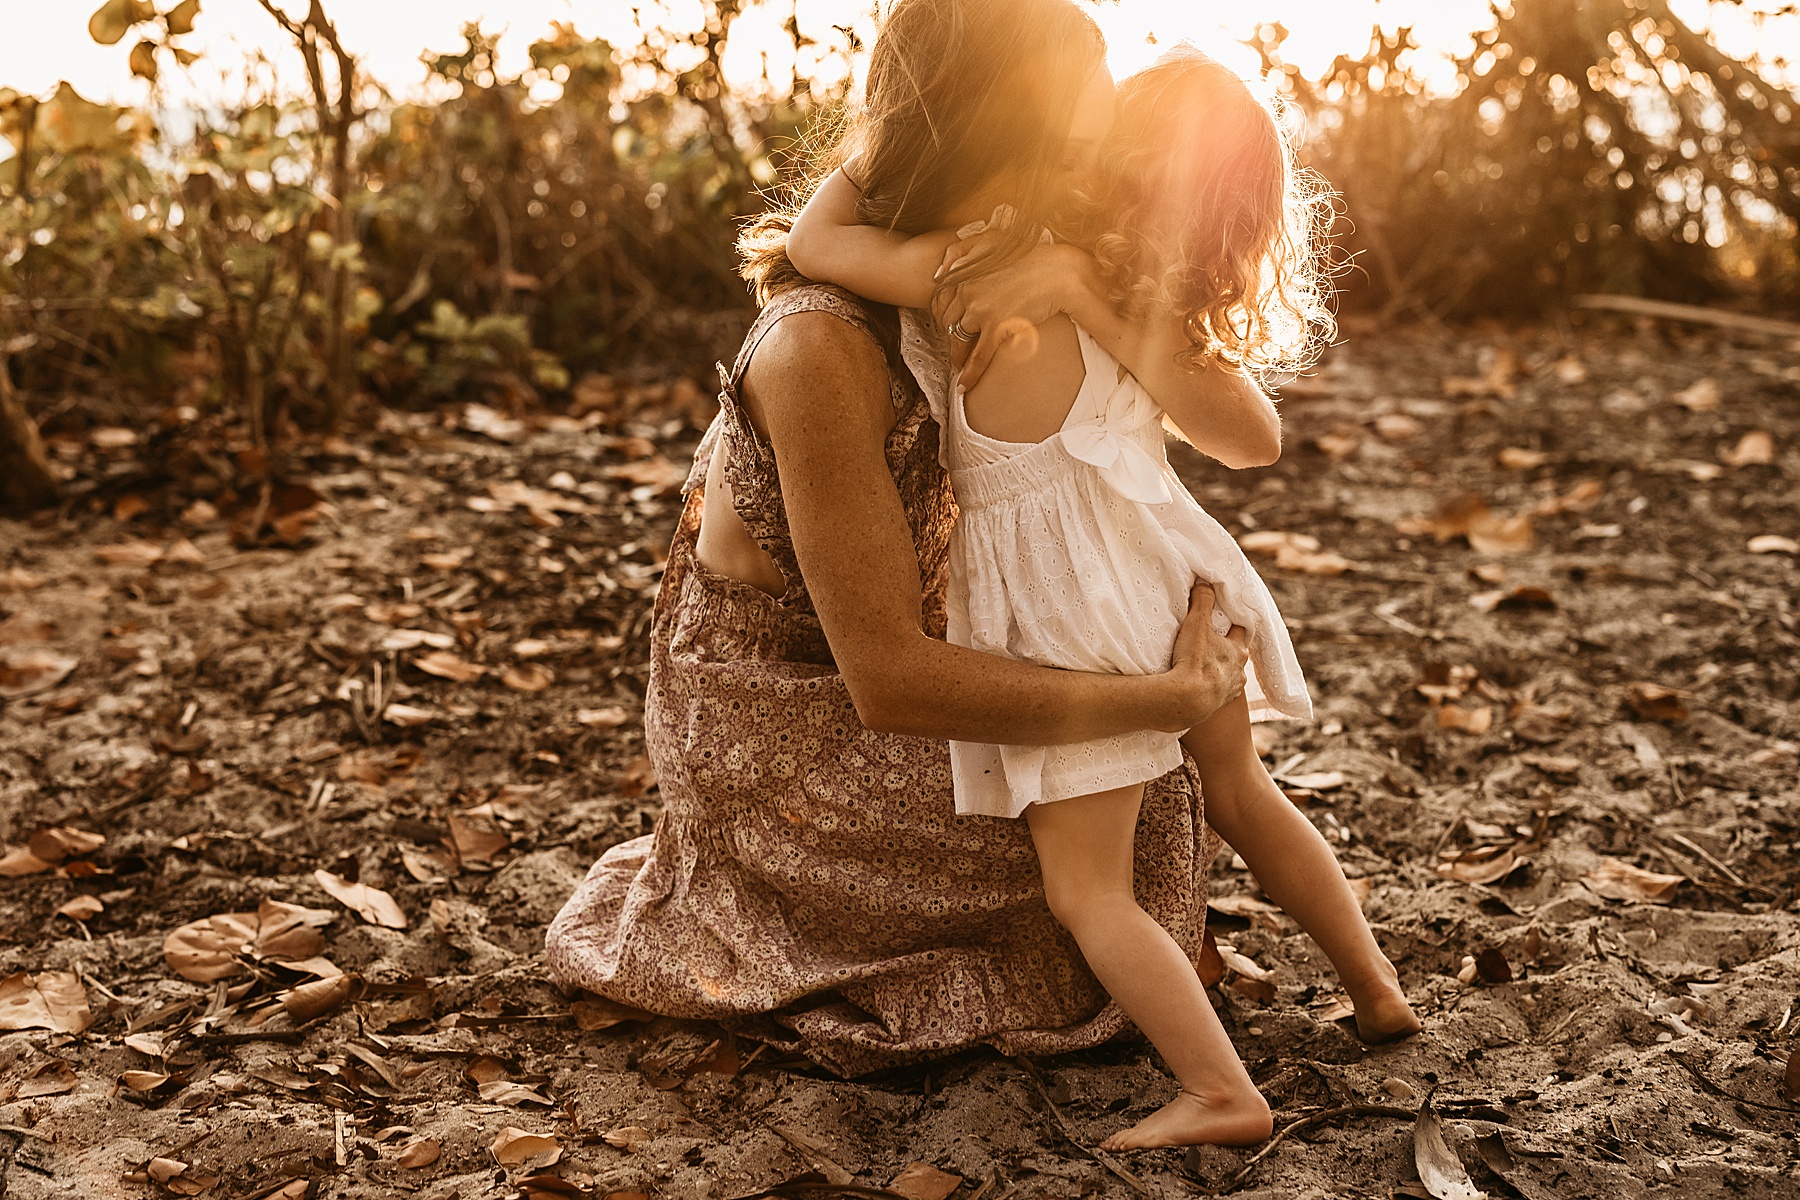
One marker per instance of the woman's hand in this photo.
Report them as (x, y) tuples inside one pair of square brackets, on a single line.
[(1207, 669), (1011, 301)]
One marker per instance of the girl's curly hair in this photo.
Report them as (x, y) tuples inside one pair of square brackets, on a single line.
[(1200, 208)]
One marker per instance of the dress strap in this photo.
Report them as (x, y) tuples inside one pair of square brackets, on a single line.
[(816, 297)]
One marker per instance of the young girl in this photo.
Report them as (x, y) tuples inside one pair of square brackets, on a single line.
[(1076, 547)]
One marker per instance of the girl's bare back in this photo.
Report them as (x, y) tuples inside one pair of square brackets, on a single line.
[(1028, 390)]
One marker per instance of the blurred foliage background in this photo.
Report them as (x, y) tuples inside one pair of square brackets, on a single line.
[(300, 262)]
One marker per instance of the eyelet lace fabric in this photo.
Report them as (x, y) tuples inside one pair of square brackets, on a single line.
[(809, 882), (1079, 552)]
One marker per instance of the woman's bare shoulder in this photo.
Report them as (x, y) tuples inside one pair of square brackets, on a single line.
[(815, 356)]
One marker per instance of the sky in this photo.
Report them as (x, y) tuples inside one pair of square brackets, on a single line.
[(47, 40)]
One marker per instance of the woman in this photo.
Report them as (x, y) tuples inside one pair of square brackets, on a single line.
[(809, 880)]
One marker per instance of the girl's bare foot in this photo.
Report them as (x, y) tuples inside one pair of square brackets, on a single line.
[(1189, 1120), (1382, 1013)]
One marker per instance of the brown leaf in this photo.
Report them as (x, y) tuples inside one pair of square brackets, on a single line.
[(372, 904), (922, 1181), (1337, 1008), (52, 1077), (659, 474), (60, 842), (1466, 720), (27, 670), (1618, 880), (18, 579), (1440, 1170), (144, 1081), (1559, 766), (1702, 396), (1772, 543), (627, 1138), (82, 908), (420, 1152), (1654, 702), (49, 1000), (505, 1091), (593, 1012), (1271, 541), (207, 949), (1522, 598), (528, 677), (1397, 427), (446, 665), (514, 1147), (477, 838), (1492, 966), (1514, 458), (1483, 865), (317, 997), (611, 717), (1240, 906), (1756, 448), (135, 553), (1790, 1079)]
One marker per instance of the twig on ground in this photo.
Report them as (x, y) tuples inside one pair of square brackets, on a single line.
[(1715, 1089), (1305, 1123), (1100, 1156)]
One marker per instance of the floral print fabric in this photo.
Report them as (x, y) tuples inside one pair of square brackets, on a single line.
[(809, 881)]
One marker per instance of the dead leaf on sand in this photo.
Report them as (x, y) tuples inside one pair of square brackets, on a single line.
[(922, 1181), (1440, 1170), (1483, 865), (593, 1012), (371, 903), (627, 1138), (528, 677), (1754, 449), (420, 1152), (1772, 543), (52, 1077), (207, 949), (1477, 720), (1703, 396), (515, 1147), (1654, 702), (49, 1000), (27, 670), (1617, 880)]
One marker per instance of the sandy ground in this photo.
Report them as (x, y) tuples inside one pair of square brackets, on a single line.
[(1609, 682)]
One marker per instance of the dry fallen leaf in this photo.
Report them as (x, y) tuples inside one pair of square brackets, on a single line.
[(1654, 702), (593, 1012), (52, 1077), (1790, 1080), (528, 677), (1773, 543), (408, 716), (49, 1000), (476, 838), (1468, 516), (82, 908), (922, 1181), (1323, 562), (505, 1091), (1476, 720), (372, 904), (317, 997), (611, 717), (207, 949), (18, 579), (144, 1081), (1516, 458), (1272, 541), (1522, 598), (1397, 427), (1440, 1170), (1483, 865), (1492, 967), (627, 1138), (1756, 448), (515, 1147), (446, 665), (1702, 396), (27, 670), (420, 1152), (1618, 880), (130, 554)]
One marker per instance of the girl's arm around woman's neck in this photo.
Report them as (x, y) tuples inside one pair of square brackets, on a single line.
[(817, 390)]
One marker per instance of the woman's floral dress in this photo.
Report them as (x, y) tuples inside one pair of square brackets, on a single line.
[(809, 882)]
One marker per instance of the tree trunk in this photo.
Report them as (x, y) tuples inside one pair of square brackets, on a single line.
[(26, 481)]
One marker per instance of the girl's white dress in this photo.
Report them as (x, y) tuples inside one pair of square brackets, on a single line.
[(1079, 552)]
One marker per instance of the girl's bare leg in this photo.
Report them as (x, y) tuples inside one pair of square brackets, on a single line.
[(1297, 869), (1085, 847)]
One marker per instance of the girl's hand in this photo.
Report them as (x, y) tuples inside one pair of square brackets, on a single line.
[(1012, 301), (971, 251), (1207, 669)]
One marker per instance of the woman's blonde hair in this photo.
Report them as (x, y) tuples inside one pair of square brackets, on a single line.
[(1200, 208), (958, 93)]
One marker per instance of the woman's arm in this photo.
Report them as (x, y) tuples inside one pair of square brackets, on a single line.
[(827, 244), (1222, 412), (855, 548)]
